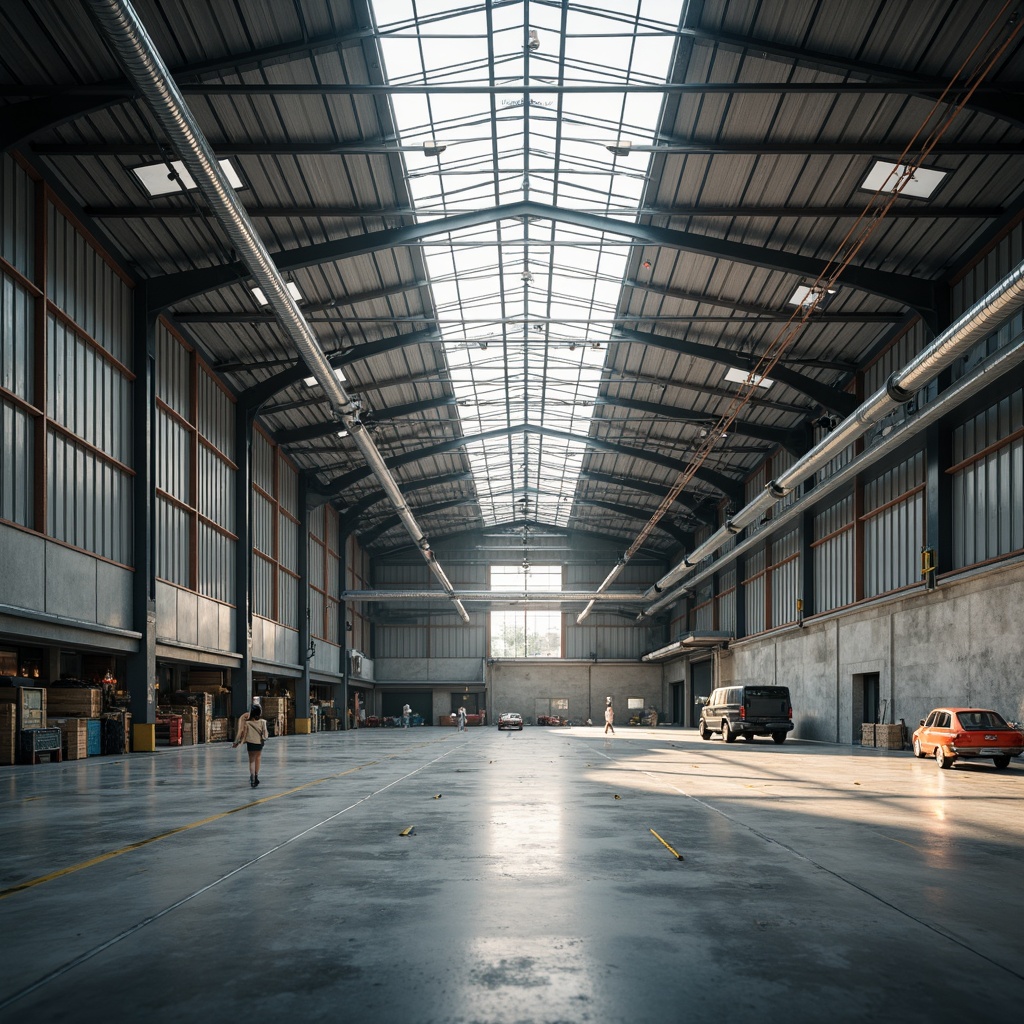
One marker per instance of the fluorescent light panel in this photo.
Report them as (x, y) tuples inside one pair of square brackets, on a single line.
[(739, 377), (311, 381), (887, 176), (158, 181), (806, 296), (293, 291)]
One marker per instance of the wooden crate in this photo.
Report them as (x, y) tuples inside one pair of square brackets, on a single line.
[(889, 737), (74, 702), (867, 734), (219, 730), (29, 703), (74, 735), (8, 733)]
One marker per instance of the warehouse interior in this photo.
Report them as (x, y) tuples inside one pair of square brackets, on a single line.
[(515, 356), (356, 356)]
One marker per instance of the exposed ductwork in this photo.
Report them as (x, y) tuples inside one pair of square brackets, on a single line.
[(981, 319), (143, 64), (1006, 361)]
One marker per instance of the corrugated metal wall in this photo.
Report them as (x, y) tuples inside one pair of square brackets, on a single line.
[(88, 396), (894, 527), (834, 557), (988, 483), (195, 499), (786, 586), (755, 592)]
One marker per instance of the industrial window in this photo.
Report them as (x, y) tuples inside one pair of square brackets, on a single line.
[(526, 632)]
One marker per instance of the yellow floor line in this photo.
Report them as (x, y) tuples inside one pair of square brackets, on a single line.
[(4, 893)]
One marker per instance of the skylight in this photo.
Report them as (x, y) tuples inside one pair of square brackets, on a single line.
[(889, 177), (163, 180), (528, 366)]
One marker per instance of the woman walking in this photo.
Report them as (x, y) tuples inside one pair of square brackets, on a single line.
[(252, 730), (609, 720)]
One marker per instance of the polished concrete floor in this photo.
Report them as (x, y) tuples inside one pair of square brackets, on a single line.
[(813, 882)]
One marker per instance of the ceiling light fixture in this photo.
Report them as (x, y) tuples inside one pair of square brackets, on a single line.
[(434, 148), (169, 177), (621, 147), (311, 381), (916, 182), (747, 377), (808, 295), (293, 291), (534, 43)]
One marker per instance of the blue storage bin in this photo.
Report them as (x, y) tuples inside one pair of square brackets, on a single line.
[(93, 744)]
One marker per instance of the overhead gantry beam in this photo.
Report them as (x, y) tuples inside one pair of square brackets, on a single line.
[(926, 297)]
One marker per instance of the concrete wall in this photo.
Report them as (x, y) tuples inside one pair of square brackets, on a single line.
[(62, 583), (184, 617), (514, 686), (961, 644)]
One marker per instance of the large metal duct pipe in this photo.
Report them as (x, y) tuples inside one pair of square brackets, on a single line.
[(981, 319), (1005, 362), (142, 63)]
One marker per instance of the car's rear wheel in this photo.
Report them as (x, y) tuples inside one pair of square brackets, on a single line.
[(941, 758), (918, 752), (779, 737), (727, 734), (1002, 761), (702, 730)]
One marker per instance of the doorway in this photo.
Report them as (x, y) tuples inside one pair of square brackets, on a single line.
[(702, 683), (865, 701)]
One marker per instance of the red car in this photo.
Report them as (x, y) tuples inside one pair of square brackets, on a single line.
[(959, 734)]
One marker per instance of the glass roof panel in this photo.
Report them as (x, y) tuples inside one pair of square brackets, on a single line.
[(525, 308)]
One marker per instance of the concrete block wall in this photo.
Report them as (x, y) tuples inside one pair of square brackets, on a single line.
[(515, 685), (961, 644)]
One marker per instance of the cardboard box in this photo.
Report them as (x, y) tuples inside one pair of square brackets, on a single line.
[(8, 733)]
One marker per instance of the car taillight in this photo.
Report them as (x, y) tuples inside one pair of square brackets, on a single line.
[(789, 712), (743, 712)]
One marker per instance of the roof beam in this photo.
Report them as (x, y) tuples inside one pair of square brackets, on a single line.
[(794, 441), (346, 302), (926, 297), (310, 433), (728, 486), (367, 538), (48, 107), (717, 302), (832, 399), (646, 487), (991, 99), (904, 85), (695, 147), (913, 210)]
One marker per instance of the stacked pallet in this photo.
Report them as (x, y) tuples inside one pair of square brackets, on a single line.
[(189, 725), (8, 733), (204, 707), (74, 737), (276, 712), (74, 702)]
